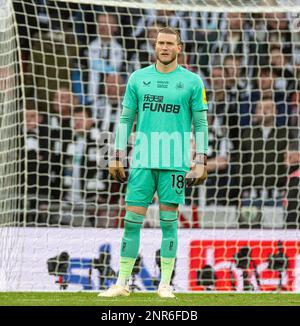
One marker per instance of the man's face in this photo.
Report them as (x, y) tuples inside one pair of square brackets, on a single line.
[(82, 122), (232, 72), (217, 79), (6, 78), (277, 58), (114, 87), (235, 21), (152, 32), (32, 119), (269, 109), (266, 81), (232, 68), (167, 48), (266, 112), (291, 158), (277, 20), (63, 102), (107, 26)]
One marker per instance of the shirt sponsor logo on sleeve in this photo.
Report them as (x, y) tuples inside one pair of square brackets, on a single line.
[(204, 96)]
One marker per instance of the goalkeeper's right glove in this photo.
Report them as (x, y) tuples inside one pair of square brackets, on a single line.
[(116, 167), (198, 173)]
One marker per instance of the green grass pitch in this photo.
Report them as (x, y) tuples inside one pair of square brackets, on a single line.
[(147, 299)]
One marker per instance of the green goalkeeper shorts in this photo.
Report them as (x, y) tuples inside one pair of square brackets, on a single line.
[(142, 184)]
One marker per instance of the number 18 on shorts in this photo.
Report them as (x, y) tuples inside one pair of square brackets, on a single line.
[(142, 184)]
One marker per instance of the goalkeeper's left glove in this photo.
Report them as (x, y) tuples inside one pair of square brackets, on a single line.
[(198, 173), (116, 167)]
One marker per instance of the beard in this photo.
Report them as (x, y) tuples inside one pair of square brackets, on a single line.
[(173, 58)]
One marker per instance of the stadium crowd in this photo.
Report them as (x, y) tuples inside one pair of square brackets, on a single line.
[(76, 60)]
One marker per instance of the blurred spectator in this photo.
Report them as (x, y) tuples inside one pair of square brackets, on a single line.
[(87, 25), (109, 113), (170, 18), (63, 105), (236, 98), (262, 153), (217, 96), (292, 199), (105, 56), (264, 89), (265, 84), (61, 134), (218, 157), (221, 120), (283, 72), (202, 33), (55, 14), (38, 167), (295, 30), (52, 57), (294, 119), (225, 102), (278, 30), (145, 30), (270, 29), (236, 40), (184, 62), (7, 82), (108, 123), (82, 175), (146, 47), (260, 39), (27, 27), (234, 75), (129, 18), (297, 73)]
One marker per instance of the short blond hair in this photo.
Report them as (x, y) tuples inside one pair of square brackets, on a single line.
[(173, 31)]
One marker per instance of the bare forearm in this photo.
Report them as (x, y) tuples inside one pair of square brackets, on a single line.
[(217, 163)]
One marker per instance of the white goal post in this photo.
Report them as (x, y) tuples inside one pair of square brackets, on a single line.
[(12, 154)]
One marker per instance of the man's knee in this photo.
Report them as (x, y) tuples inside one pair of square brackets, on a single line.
[(168, 222), (141, 210), (168, 207)]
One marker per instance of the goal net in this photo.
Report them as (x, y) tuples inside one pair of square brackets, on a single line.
[(239, 231), (11, 150)]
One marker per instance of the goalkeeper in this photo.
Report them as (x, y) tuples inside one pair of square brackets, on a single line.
[(166, 98)]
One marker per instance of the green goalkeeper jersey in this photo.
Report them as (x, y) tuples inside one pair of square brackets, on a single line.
[(164, 103)]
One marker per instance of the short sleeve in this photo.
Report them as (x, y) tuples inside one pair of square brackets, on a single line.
[(198, 98), (130, 99)]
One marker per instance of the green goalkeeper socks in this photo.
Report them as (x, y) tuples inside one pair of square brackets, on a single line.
[(126, 267), (129, 246), (168, 223), (131, 241), (167, 267)]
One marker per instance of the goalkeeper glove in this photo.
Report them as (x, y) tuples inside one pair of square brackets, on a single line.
[(116, 167), (198, 173)]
